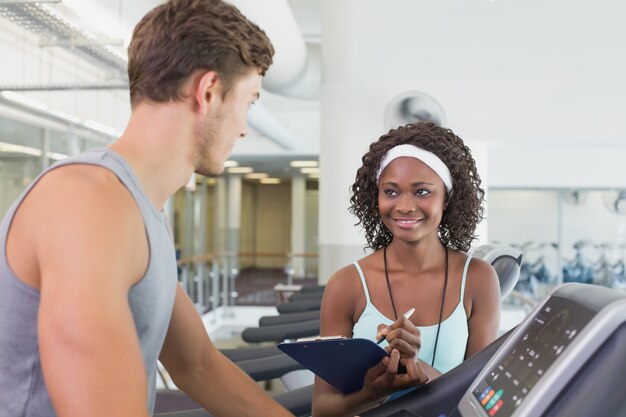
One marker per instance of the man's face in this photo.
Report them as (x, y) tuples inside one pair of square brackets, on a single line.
[(216, 133)]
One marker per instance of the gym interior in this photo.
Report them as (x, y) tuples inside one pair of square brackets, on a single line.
[(536, 91)]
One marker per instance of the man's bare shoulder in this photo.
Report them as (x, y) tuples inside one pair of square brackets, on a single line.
[(81, 187), (87, 212), (79, 177)]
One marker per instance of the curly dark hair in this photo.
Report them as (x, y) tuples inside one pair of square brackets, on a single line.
[(181, 36), (463, 210)]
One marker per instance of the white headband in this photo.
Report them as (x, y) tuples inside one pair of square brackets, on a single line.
[(412, 151)]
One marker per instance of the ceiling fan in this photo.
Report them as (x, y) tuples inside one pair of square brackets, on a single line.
[(412, 107), (615, 201)]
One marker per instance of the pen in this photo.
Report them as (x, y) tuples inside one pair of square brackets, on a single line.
[(405, 315)]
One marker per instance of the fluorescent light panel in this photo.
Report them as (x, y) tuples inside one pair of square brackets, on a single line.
[(41, 106), (310, 170), (256, 176), (303, 164), (27, 150), (240, 170), (25, 101), (269, 180)]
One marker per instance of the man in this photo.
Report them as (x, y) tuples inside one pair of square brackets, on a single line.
[(88, 293)]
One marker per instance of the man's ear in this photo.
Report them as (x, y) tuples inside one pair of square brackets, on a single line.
[(206, 90)]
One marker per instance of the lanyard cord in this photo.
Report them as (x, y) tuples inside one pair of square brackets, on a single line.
[(443, 298)]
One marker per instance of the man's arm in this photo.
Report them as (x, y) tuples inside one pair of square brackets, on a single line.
[(207, 376), (90, 248)]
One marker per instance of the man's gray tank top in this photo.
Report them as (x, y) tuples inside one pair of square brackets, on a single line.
[(22, 388)]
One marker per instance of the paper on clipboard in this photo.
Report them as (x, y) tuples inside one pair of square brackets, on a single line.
[(339, 361)]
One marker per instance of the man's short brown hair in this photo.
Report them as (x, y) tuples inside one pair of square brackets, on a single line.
[(180, 37)]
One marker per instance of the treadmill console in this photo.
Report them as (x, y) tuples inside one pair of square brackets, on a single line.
[(538, 363), (514, 376)]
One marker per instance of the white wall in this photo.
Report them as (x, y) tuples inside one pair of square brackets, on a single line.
[(541, 82), (519, 216), (552, 166)]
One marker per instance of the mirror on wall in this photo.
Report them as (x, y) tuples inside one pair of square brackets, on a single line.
[(566, 235)]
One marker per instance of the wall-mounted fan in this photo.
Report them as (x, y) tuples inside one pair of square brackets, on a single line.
[(412, 107), (574, 197), (615, 201)]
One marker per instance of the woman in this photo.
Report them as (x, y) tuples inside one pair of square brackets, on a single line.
[(418, 198)]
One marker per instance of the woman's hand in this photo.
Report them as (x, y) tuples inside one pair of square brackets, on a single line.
[(383, 378), (402, 336)]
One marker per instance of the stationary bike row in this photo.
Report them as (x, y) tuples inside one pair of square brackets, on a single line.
[(535, 273), (599, 272)]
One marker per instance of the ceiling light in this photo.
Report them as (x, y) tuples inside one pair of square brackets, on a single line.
[(12, 148), (40, 108), (301, 164), (256, 176), (27, 150), (229, 164), (269, 180), (310, 170), (314, 176), (240, 170), (23, 100)]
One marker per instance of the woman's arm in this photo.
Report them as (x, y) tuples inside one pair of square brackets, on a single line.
[(337, 318), (336, 312), (483, 294)]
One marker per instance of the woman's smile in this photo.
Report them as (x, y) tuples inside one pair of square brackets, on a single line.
[(407, 223)]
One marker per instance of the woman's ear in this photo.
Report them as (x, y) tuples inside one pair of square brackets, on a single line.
[(446, 201)]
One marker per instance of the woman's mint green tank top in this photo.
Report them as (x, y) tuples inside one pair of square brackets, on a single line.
[(453, 334)]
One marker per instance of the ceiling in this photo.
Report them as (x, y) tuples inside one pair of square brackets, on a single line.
[(512, 74), (113, 20)]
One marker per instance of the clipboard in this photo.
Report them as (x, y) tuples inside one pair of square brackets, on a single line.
[(340, 361)]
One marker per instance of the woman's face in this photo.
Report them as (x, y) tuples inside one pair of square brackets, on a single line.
[(411, 199)]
